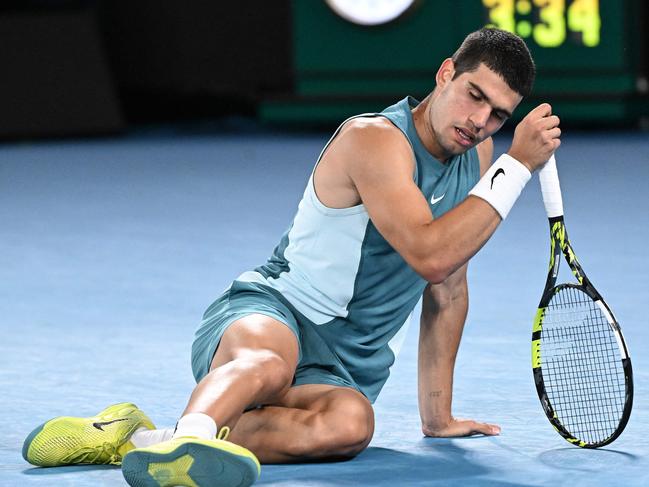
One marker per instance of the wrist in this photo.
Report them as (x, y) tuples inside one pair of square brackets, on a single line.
[(502, 184), (436, 425), (520, 159)]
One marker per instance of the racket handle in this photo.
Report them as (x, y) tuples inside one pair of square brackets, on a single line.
[(550, 188)]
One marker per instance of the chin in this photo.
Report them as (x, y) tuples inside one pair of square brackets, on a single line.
[(456, 149)]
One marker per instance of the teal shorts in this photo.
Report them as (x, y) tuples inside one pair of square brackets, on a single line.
[(317, 364)]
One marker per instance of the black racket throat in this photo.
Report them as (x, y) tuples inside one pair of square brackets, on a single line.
[(561, 246)]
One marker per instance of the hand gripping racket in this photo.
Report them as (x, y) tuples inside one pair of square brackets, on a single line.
[(581, 365)]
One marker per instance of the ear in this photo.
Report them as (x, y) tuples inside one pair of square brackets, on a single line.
[(445, 72)]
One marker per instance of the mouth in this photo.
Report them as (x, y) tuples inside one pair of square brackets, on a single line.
[(465, 137)]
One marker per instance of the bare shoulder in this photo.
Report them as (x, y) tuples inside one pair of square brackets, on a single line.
[(365, 150), (374, 130), (372, 141), (485, 154)]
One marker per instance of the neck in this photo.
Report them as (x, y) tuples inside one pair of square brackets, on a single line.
[(421, 115)]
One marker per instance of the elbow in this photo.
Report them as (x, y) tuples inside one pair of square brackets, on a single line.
[(437, 277), (435, 272), (435, 261)]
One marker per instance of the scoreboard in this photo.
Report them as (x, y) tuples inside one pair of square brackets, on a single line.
[(351, 56), (549, 23)]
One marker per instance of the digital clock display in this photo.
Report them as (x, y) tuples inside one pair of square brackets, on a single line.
[(548, 23), (589, 54)]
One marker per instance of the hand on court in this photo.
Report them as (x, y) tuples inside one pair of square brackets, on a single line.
[(463, 427), (536, 137)]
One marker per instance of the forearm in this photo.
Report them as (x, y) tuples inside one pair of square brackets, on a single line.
[(455, 237), (447, 243), (442, 322)]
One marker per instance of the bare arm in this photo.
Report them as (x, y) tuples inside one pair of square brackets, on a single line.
[(444, 311), (378, 162), (381, 171), (443, 315)]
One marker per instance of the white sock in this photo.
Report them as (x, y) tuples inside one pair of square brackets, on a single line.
[(198, 425), (145, 437)]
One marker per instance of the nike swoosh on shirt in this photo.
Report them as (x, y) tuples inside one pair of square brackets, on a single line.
[(434, 200)]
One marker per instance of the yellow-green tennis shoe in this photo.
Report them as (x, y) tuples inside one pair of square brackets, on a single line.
[(101, 439), (191, 462)]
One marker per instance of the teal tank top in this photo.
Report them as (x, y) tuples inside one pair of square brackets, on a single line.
[(351, 290)]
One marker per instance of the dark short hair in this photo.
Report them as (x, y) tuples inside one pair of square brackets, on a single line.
[(503, 52)]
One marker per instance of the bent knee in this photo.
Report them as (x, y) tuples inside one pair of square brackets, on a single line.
[(346, 431), (270, 372), (356, 429), (351, 439), (275, 373)]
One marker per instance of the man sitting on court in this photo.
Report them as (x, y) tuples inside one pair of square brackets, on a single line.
[(289, 360)]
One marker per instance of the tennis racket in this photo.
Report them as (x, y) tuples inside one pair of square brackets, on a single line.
[(580, 361)]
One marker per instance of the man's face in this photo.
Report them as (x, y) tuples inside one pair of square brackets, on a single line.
[(469, 108)]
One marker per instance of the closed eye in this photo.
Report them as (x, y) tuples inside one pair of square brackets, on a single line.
[(477, 94)]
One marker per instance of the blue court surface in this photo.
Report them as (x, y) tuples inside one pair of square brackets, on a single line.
[(111, 249)]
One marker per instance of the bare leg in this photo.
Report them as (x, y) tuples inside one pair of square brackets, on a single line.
[(312, 422), (254, 365)]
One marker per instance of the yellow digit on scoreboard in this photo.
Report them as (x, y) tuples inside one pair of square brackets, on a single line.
[(583, 16), (551, 32), (501, 14), (552, 20)]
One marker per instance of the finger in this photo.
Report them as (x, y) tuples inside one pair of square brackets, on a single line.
[(543, 110), (485, 428), (549, 136), (549, 122), (495, 429), (554, 133)]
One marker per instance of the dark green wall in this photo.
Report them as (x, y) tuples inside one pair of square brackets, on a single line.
[(340, 67)]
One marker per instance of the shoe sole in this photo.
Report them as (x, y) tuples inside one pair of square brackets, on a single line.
[(30, 438), (179, 467)]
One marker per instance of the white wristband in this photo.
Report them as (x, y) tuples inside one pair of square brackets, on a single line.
[(502, 184)]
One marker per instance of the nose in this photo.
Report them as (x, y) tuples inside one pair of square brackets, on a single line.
[(480, 116)]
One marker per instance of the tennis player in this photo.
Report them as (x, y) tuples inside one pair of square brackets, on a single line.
[(289, 359)]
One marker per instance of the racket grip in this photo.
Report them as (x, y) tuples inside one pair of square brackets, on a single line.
[(550, 188)]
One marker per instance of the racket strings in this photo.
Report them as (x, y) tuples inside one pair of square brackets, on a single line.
[(581, 366)]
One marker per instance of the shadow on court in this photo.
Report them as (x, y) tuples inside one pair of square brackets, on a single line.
[(441, 461), (571, 458), (53, 471)]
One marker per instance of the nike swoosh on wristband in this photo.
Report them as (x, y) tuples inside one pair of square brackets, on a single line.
[(497, 173), (434, 200)]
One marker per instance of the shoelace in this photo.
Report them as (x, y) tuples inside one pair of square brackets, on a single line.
[(101, 455), (223, 433)]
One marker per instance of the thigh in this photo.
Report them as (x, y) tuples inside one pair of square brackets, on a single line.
[(338, 402), (243, 314), (255, 335), (341, 417), (309, 422)]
